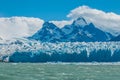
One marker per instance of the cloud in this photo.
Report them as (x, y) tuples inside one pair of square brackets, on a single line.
[(13, 27), (107, 21), (62, 23), (16, 27)]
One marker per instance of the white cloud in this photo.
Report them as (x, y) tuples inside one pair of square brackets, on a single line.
[(19, 26), (62, 23), (107, 21)]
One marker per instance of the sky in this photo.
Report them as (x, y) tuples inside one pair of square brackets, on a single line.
[(52, 9), (23, 18)]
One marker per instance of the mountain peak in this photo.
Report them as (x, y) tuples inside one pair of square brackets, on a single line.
[(77, 32), (80, 22), (49, 25)]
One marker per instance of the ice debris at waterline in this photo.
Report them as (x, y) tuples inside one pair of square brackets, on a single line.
[(23, 50)]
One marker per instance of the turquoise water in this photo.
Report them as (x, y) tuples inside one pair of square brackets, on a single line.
[(58, 71)]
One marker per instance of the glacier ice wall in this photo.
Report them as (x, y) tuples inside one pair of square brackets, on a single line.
[(23, 50)]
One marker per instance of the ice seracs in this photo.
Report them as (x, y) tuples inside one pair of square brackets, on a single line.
[(23, 50)]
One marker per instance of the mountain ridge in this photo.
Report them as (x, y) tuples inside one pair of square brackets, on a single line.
[(116, 38), (78, 31)]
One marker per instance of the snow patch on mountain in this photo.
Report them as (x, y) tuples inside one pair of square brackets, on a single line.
[(80, 22)]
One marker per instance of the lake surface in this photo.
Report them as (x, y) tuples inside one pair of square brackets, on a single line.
[(59, 71)]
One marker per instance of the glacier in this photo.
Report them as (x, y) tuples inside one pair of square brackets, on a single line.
[(24, 50)]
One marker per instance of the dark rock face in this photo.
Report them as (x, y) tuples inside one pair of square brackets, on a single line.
[(78, 31), (116, 38)]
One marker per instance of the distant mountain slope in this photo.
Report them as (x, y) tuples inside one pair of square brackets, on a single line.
[(48, 33), (78, 31), (116, 38)]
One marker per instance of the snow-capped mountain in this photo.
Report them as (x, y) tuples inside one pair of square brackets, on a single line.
[(78, 31), (116, 38), (48, 33), (80, 22)]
